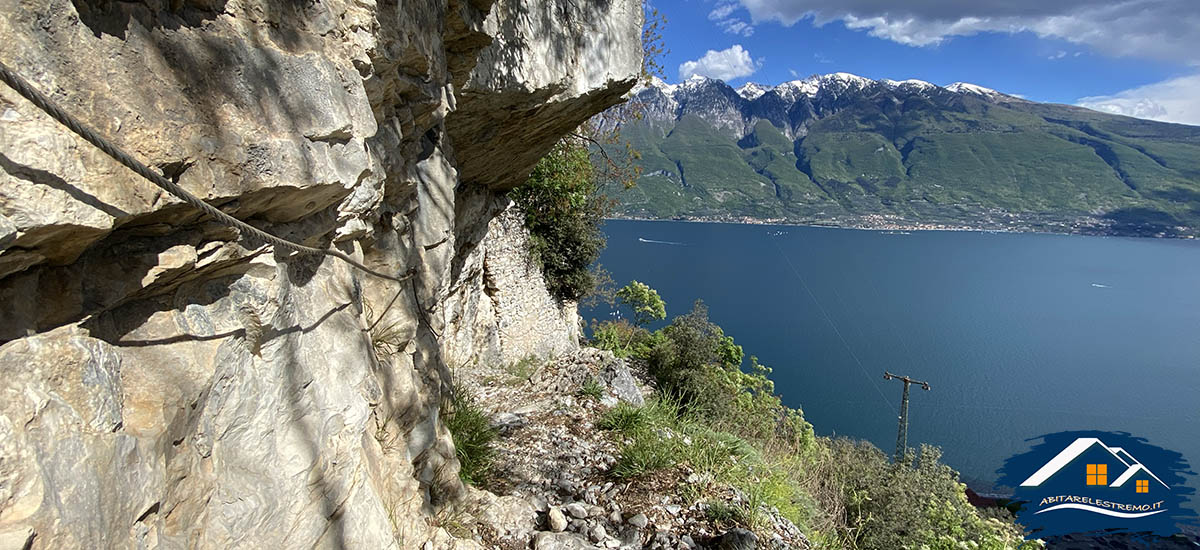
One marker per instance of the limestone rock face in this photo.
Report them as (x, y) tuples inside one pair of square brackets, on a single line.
[(546, 61), (167, 385), (512, 281)]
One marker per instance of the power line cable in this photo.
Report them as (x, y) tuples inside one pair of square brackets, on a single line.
[(833, 325)]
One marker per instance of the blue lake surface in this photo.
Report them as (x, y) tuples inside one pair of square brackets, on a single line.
[(1019, 335)]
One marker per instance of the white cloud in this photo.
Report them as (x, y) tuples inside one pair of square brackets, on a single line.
[(731, 25), (737, 26), (1158, 29), (821, 58), (1174, 100), (1057, 55), (728, 64), (722, 11)]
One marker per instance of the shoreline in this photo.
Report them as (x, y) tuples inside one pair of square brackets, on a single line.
[(908, 228)]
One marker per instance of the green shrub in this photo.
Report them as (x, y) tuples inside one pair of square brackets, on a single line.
[(647, 306), (627, 339), (563, 211), (613, 335), (725, 422), (624, 339), (890, 505), (473, 435), (693, 358), (691, 343), (661, 435)]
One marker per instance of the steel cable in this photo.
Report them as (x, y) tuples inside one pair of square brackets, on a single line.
[(48, 106)]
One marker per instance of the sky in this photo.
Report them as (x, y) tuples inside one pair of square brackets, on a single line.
[(1133, 57)]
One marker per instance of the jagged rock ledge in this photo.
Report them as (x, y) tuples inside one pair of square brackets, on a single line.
[(169, 386)]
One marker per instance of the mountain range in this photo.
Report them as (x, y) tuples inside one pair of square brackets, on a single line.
[(844, 150)]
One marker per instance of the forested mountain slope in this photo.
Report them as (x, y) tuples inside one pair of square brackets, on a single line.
[(846, 150)]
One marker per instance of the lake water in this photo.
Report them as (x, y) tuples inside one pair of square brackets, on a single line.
[(1018, 334)]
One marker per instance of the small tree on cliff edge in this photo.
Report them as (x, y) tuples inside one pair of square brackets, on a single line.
[(646, 304)]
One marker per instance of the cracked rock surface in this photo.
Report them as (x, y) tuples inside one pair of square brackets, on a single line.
[(168, 385)]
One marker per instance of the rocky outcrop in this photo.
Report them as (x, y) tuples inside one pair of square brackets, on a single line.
[(168, 385)]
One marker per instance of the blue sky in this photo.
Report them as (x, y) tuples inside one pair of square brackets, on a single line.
[(1135, 57)]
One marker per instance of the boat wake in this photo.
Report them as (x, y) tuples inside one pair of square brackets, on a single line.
[(652, 241), (1098, 285)]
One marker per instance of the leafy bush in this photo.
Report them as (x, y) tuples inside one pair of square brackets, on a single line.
[(647, 306), (694, 359), (692, 343), (563, 211), (725, 422), (897, 505), (473, 436), (625, 339)]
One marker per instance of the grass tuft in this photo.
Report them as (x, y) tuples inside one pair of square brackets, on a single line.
[(473, 435), (591, 388)]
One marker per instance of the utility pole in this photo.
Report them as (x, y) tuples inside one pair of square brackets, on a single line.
[(902, 432)]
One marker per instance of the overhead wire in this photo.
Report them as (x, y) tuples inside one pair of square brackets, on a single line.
[(833, 325)]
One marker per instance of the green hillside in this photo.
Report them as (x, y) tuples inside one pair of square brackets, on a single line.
[(967, 162)]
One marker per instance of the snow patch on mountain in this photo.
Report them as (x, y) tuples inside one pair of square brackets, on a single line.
[(662, 85), (792, 90), (752, 91), (968, 88), (911, 83)]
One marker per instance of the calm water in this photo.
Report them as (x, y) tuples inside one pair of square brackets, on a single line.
[(1018, 334)]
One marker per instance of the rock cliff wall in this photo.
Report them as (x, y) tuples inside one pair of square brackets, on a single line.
[(167, 385)]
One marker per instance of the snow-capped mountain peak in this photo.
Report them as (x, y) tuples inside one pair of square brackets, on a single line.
[(791, 105), (968, 88), (793, 89), (752, 91), (911, 83), (656, 82), (812, 86), (846, 78)]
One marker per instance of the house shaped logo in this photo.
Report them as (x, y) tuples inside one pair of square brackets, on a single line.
[(1094, 482), (1101, 463)]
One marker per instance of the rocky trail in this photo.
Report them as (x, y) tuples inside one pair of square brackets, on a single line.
[(554, 466)]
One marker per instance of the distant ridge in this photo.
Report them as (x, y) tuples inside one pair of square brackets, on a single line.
[(841, 149)]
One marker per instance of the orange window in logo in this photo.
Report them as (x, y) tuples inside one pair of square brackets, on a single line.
[(1143, 486), (1097, 474)]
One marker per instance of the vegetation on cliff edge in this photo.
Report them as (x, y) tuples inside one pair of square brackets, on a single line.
[(726, 425), (563, 211)]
